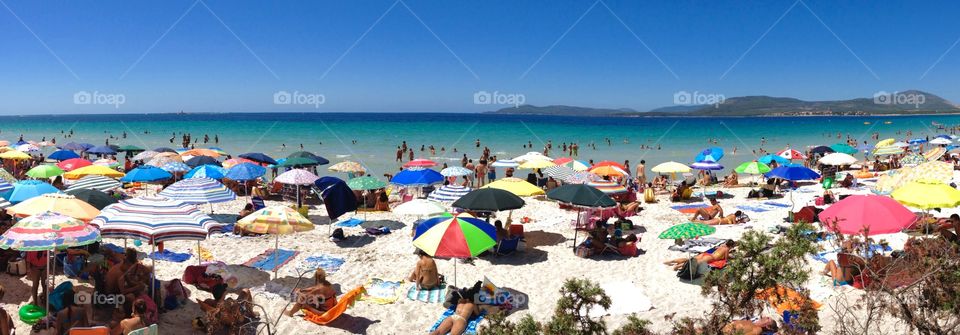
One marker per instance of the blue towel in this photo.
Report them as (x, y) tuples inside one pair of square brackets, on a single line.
[(228, 229), (755, 209), (113, 247), (352, 222), (776, 204), (170, 256), (329, 264), (272, 259), (689, 206), (471, 325)]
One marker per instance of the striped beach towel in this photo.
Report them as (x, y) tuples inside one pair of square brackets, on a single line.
[(689, 208), (433, 296), (471, 324), (271, 259)]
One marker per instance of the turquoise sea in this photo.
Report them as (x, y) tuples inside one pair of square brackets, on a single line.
[(377, 135)]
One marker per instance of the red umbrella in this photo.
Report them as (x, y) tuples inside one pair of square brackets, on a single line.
[(609, 163), (791, 154), (73, 164), (872, 213), (420, 162)]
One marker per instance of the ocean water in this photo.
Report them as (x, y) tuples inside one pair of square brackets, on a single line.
[(372, 138)]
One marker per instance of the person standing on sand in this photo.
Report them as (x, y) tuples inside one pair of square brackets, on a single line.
[(642, 172), (470, 167), (482, 172)]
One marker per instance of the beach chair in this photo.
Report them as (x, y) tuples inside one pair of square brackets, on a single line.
[(258, 203), (516, 230), (99, 330), (610, 248), (151, 330), (508, 246)]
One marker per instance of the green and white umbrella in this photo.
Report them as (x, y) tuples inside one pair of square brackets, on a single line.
[(45, 171), (687, 231), (365, 183), (753, 168)]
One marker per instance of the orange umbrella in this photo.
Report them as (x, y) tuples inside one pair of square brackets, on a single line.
[(234, 161), (60, 203), (609, 170), (200, 152)]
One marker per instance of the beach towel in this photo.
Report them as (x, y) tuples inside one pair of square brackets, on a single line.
[(351, 222), (758, 208), (170, 256), (689, 208), (328, 263), (204, 254), (271, 259), (776, 204), (431, 296), (343, 302), (381, 292), (471, 324)]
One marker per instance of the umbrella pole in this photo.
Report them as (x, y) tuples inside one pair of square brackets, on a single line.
[(198, 252), (153, 273), (576, 230), (276, 249), (454, 271), (46, 288)]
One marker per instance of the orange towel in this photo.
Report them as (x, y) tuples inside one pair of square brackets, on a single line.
[(785, 299), (343, 302)]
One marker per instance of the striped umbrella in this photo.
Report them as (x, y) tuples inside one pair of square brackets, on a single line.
[(454, 236), (198, 191), (455, 171), (275, 220), (175, 167), (448, 193), (607, 187), (687, 231), (73, 164), (935, 153), (4, 203), (95, 182), (6, 176), (888, 150), (110, 163), (61, 203), (572, 163), (5, 186), (297, 177), (145, 155), (505, 163), (48, 231), (559, 172), (155, 219), (581, 177), (420, 162), (608, 170)]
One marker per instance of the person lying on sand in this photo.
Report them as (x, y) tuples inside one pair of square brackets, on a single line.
[(456, 324), (735, 218), (630, 207), (707, 213), (747, 327), (425, 274), (718, 254), (732, 180), (317, 298)]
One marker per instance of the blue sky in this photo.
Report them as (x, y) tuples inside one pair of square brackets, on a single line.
[(432, 56)]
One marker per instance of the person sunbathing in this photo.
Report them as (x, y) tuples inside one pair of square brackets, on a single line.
[(735, 218), (848, 181), (317, 298), (841, 269), (720, 253), (747, 327), (732, 180), (456, 324), (630, 207), (425, 275), (707, 213)]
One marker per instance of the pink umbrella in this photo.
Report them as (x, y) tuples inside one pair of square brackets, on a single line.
[(420, 162), (791, 154), (872, 213)]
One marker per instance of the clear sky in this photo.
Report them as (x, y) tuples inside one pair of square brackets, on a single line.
[(433, 56)]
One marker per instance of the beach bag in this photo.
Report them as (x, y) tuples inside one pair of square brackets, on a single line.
[(584, 251), (17, 267), (649, 196), (689, 270), (337, 235)]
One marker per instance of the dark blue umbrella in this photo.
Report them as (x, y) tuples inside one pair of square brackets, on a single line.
[(62, 155), (102, 150), (710, 154), (259, 157), (337, 196), (77, 146), (164, 149), (245, 171), (420, 177), (793, 172), (146, 173), (196, 161), (918, 141)]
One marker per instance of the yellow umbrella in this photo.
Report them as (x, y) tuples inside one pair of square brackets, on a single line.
[(925, 195), (200, 152), (60, 203), (536, 164), (275, 220), (671, 167), (930, 172), (608, 170), (6, 148), (935, 153), (516, 186), (15, 155), (885, 142), (88, 170)]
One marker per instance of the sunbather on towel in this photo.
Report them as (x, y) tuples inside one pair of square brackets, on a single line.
[(718, 254), (425, 274), (456, 324), (735, 218), (732, 180), (707, 213), (747, 327), (317, 298)]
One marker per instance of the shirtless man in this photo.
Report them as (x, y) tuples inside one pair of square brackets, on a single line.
[(456, 324), (470, 167), (425, 275), (719, 253), (708, 213), (734, 218), (115, 274), (482, 173)]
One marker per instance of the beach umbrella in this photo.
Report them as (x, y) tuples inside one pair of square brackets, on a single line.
[(488, 200), (581, 177), (28, 148), (516, 186), (885, 142), (917, 141), (4, 203), (843, 148), (6, 148), (337, 197), (770, 158), (206, 171), (752, 168), (309, 155), (581, 196), (941, 141), (146, 155), (165, 149), (14, 155), (95, 182), (559, 172), (147, 174), (348, 167), (237, 161), (532, 155), (505, 163), (91, 170), (175, 167), (201, 152), (44, 171), (57, 202), (927, 195), (455, 236), (930, 172), (129, 148), (935, 153), (6, 176), (572, 163), (455, 171), (609, 170), (95, 198), (27, 189), (670, 167), (276, 220), (245, 171), (793, 173), (75, 146), (196, 161), (888, 150), (821, 150), (110, 163), (298, 177), (298, 162), (536, 164), (873, 214), (707, 165), (259, 158), (912, 160), (607, 187), (448, 193), (420, 162), (837, 158), (418, 177), (155, 219), (419, 207), (900, 144), (687, 231), (62, 155), (160, 160), (102, 150), (365, 183), (713, 154), (198, 191), (5, 186)]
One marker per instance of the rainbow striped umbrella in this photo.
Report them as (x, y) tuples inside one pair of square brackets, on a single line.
[(572, 163), (455, 236), (156, 219), (198, 191), (275, 220), (47, 231), (607, 187)]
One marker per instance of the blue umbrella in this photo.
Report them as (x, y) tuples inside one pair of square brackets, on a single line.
[(196, 161), (206, 171), (72, 146), (27, 189), (793, 172), (259, 157), (164, 149), (710, 154), (707, 165), (918, 141), (198, 191), (175, 167), (5, 186), (62, 155), (245, 171), (337, 197), (419, 177), (773, 158), (146, 173), (102, 150)]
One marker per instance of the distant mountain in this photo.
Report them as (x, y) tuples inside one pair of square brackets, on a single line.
[(884, 103)]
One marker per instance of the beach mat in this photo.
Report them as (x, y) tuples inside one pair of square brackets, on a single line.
[(351, 222), (471, 324), (776, 204), (754, 208), (271, 259), (432, 296), (381, 291), (329, 264), (170, 256), (689, 208), (391, 224)]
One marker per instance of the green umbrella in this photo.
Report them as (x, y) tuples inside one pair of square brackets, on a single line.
[(488, 200), (687, 231), (840, 147), (130, 148), (45, 171), (581, 195), (298, 161), (365, 183), (753, 168)]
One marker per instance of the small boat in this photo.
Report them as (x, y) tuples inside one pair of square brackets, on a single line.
[(866, 122), (887, 122)]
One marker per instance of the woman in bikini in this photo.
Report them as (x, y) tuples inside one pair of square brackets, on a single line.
[(317, 298), (456, 324), (735, 218), (719, 253)]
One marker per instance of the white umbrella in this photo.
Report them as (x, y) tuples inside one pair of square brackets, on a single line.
[(900, 144), (940, 141), (837, 158), (531, 156), (299, 177), (455, 171), (505, 163), (420, 207)]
